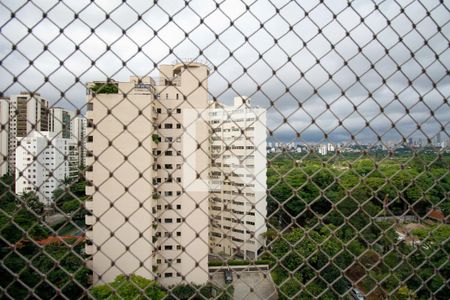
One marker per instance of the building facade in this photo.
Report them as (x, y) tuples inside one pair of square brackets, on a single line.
[(148, 171), (78, 127), (60, 121), (27, 113), (4, 135), (238, 205), (23, 114), (44, 162)]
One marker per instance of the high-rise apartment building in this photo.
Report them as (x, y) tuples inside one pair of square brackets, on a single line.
[(69, 125), (4, 135), (149, 163), (27, 113), (43, 162), (78, 127), (238, 205), (148, 174), (60, 120)]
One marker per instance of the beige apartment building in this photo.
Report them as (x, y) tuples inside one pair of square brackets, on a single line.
[(149, 162)]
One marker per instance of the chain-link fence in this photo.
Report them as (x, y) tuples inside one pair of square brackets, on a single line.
[(299, 152)]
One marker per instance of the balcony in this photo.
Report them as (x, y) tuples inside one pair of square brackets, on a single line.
[(89, 249), (89, 176), (89, 264), (89, 205), (89, 220), (90, 190), (89, 234)]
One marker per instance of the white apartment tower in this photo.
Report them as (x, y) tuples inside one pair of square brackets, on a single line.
[(55, 162), (238, 204), (147, 170)]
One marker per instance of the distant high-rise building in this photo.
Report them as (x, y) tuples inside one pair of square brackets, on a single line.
[(323, 149), (438, 139), (60, 121), (44, 161), (28, 112), (78, 127), (330, 147), (4, 135)]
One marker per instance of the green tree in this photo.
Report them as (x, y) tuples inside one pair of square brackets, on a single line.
[(31, 201)]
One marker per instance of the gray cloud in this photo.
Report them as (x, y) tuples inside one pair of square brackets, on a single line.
[(350, 48)]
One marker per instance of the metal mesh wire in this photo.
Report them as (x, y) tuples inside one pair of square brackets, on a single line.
[(326, 178)]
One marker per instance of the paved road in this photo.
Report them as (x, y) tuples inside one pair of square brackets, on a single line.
[(249, 285)]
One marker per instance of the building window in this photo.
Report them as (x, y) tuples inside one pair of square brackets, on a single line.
[(168, 220), (168, 247), (90, 139), (168, 126), (178, 125), (177, 96), (168, 275), (90, 106)]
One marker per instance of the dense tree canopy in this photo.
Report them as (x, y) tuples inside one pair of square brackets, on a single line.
[(327, 211)]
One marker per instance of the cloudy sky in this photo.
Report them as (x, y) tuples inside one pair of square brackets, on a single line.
[(366, 68)]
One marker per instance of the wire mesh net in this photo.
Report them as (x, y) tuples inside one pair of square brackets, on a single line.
[(224, 149)]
